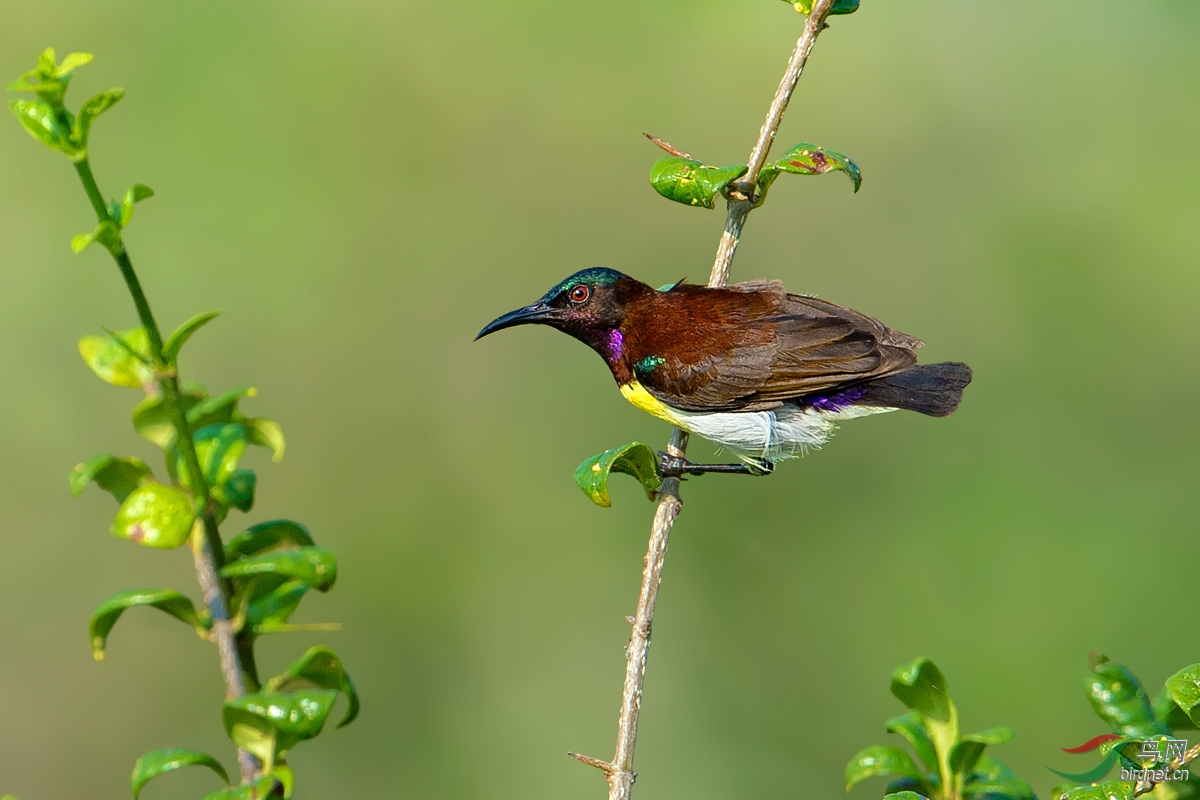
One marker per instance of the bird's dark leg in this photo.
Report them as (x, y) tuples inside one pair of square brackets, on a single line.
[(673, 467)]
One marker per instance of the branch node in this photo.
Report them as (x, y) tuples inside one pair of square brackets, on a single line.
[(603, 766)]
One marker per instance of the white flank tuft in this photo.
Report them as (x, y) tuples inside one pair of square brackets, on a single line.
[(760, 436)]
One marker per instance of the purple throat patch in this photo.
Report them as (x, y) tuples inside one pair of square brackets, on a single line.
[(616, 343)]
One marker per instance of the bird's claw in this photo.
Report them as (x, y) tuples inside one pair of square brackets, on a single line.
[(672, 466)]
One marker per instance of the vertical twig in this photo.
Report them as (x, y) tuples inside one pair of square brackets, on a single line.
[(741, 199), (619, 771)]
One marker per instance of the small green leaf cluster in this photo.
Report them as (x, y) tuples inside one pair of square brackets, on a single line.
[(49, 121), (634, 459), (46, 118), (107, 233), (291, 707), (1121, 701), (163, 514), (949, 766), (270, 567), (688, 181), (839, 6)]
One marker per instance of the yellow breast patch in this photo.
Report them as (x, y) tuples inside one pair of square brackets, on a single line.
[(635, 393)]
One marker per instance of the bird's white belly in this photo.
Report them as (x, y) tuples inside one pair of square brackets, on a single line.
[(753, 436)]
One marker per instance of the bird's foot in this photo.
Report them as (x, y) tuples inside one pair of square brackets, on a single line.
[(676, 467)]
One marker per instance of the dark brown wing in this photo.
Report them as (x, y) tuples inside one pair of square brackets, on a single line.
[(752, 346)]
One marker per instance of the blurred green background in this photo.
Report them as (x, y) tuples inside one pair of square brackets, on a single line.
[(364, 184)]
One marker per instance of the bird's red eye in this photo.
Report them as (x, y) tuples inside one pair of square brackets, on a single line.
[(580, 293)]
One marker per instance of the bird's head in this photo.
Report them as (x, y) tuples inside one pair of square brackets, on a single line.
[(589, 305)]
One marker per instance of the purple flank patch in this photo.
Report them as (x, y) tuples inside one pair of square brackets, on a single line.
[(616, 342), (835, 402)]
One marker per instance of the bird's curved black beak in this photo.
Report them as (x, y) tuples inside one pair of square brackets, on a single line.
[(536, 313)]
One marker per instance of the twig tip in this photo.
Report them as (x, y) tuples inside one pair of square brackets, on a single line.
[(665, 145), (603, 766)]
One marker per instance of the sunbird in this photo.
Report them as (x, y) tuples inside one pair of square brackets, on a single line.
[(759, 371)]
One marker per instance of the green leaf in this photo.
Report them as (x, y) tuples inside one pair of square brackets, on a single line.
[(237, 491), (47, 64), (106, 233), (269, 610), (88, 113), (998, 735), (906, 795), (924, 788), (880, 760), (112, 360), (159, 762), (44, 124), (922, 688), (912, 727), (1183, 691), (72, 62), (283, 774), (634, 459), (690, 182), (315, 566), (117, 476), (1118, 698), (1117, 744), (219, 448), (967, 751), (267, 786), (152, 420), (133, 195), (155, 515), (220, 409), (269, 724), (268, 536), (319, 668), (839, 6), (992, 779), (178, 339), (152, 417), (25, 83), (806, 159), (266, 433), (107, 613), (1109, 790), (963, 757)]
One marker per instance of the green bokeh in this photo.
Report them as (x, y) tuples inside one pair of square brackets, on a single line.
[(364, 184)]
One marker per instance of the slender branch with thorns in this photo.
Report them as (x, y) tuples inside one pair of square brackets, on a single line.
[(619, 771)]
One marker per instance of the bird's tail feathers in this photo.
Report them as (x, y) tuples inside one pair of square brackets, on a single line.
[(933, 389)]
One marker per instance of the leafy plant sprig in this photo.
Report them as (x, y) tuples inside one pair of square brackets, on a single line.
[(948, 766), (1121, 701), (251, 585)]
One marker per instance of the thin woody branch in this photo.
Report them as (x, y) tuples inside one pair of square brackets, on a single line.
[(619, 771)]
